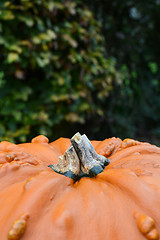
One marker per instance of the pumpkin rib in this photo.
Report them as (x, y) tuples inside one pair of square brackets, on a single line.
[(28, 204), (108, 146), (91, 198), (38, 151), (144, 148), (135, 161), (61, 144), (9, 173), (139, 187)]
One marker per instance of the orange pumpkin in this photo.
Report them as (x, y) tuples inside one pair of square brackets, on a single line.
[(112, 194)]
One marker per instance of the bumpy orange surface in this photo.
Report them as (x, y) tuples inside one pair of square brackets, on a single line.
[(122, 202)]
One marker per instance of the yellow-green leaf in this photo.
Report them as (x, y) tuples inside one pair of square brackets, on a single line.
[(15, 48), (12, 57), (48, 36), (51, 34), (70, 40), (44, 36), (6, 4), (36, 40), (6, 15)]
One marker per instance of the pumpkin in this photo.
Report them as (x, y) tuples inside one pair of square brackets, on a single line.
[(68, 190)]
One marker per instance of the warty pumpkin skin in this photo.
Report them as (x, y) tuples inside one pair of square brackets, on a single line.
[(122, 202)]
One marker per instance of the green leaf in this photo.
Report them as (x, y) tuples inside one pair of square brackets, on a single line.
[(2, 40), (2, 81), (42, 62), (27, 20), (153, 67), (17, 116), (2, 130)]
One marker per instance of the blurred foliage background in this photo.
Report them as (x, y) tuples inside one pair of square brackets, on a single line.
[(68, 66)]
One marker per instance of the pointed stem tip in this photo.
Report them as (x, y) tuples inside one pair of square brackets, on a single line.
[(80, 159)]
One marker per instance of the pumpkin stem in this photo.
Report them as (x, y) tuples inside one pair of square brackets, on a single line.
[(80, 159)]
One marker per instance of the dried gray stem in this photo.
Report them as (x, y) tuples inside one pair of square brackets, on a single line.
[(80, 159)]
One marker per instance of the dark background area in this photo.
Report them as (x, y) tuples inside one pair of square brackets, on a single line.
[(68, 66)]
